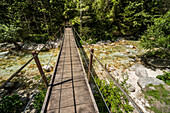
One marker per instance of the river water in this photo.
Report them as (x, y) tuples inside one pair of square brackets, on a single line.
[(10, 63)]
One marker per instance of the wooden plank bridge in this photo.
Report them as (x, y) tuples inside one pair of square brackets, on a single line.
[(69, 91)]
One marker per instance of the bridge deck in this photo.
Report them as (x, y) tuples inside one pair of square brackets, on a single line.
[(69, 90)]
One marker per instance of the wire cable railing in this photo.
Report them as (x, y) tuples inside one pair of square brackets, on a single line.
[(35, 90), (21, 68), (83, 56), (112, 78)]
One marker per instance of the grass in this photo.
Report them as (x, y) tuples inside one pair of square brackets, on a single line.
[(158, 98)]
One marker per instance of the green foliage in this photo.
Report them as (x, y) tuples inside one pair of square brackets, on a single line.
[(11, 104), (157, 36), (39, 99), (157, 95), (160, 94), (9, 33), (165, 77), (114, 98), (103, 20), (37, 20)]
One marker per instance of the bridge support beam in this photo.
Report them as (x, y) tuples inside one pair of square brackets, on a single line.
[(35, 56), (90, 64)]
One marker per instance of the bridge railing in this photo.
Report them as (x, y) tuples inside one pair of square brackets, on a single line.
[(90, 72), (34, 91)]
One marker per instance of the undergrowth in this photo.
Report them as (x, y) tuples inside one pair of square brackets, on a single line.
[(11, 104), (158, 98), (165, 77), (115, 99), (39, 99)]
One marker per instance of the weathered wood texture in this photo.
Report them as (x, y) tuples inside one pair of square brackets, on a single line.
[(69, 91)]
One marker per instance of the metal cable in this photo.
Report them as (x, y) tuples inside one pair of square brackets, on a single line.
[(93, 78), (14, 74), (118, 85), (33, 95)]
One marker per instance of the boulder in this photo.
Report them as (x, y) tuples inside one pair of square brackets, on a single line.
[(10, 85), (47, 68), (158, 63), (144, 81), (10, 46), (40, 46), (4, 53), (141, 71)]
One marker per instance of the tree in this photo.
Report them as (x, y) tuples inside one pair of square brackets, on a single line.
[(157, 36)]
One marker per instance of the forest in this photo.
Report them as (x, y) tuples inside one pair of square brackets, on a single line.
[(22, 20), (126, 35)]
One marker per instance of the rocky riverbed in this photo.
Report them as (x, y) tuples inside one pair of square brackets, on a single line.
[(25, 81), (123, 59)]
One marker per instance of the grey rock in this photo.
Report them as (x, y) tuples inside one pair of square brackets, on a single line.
[(33, 111), (47, 68), (141, 71), (119, 54), (132, 68), (10, 85), (159, 63), (4, 53), (4, 93), (151, 88), (147, 104), (2, 44), (1, 91), (129, 46), (10, 46), (144, 81), (40, 46)]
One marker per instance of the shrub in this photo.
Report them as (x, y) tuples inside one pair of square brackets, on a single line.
[(157, 36), (115, 99), (39, 99), (165, 77), (10, 104)]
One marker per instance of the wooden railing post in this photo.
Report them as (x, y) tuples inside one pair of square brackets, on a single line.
[(90, 64), (35, 56)]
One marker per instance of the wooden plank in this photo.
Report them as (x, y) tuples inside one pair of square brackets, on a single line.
[(69, 91)]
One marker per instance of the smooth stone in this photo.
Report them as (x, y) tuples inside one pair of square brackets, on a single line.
[(147, 104), (119, 54), (144, 81), (47, 68), (10, 85), (40, 46), (4, 53), (141, 71)]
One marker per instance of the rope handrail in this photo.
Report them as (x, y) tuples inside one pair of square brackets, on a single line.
[(14, 74), (117, 84)]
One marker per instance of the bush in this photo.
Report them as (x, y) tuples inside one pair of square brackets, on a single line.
[(165, 77), (157, 36), (11, 104), (39, 99), (115, 99)]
